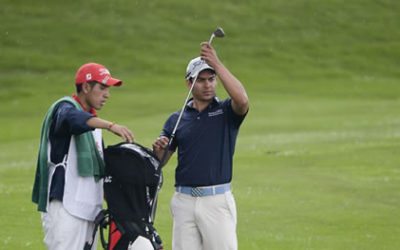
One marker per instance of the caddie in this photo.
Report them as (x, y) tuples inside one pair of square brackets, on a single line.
[(68, 186)]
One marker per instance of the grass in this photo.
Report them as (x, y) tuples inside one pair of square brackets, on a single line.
[(316, 163)]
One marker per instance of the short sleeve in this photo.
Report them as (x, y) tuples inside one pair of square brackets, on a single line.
[(67, 119), (235, 118)]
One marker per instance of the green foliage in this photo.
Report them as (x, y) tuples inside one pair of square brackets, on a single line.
[(316, 163)]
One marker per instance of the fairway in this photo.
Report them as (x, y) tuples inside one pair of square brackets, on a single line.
[(317, 161)]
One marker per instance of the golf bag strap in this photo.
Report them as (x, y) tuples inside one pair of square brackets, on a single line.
[(98, 221), (153, 236), (131, 230)]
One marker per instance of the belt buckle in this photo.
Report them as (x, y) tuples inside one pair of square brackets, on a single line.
[(196, 192)]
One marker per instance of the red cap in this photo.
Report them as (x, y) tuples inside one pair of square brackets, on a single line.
[(93, 72)]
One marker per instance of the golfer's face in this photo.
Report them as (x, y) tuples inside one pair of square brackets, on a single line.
[(204, 89), (98, 95)]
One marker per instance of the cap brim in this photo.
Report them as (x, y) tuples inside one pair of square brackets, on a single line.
[(113, 82), (202, 68)]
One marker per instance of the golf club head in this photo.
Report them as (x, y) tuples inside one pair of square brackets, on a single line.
[(219, 32)]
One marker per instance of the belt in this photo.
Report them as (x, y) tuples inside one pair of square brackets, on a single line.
[(204, 191)]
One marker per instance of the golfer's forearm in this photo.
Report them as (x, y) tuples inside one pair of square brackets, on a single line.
[(160, 155), (234, 88)]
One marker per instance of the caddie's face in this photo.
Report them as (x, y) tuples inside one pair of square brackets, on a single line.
[(97, 95), (204, 89)]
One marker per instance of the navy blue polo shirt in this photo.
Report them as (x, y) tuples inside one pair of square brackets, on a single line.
[(206, 143), (67, 121)]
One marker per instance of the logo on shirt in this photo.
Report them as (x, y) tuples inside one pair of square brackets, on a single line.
[(215, 113)]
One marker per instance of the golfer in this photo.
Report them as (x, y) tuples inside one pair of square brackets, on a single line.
[(203, 207), (68, 187)]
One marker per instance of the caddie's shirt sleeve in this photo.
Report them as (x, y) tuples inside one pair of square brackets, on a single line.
[(67, 121)]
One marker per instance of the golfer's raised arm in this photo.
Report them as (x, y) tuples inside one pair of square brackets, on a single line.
[(235, 89)]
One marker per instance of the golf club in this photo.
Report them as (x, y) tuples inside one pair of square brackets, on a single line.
[(219, 32)]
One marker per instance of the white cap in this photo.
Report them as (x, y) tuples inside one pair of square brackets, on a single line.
[(196, 66)]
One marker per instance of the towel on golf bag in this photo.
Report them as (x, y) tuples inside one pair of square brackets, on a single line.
[(133, 178)]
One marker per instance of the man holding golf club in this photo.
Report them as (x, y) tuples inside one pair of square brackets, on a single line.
[(68, 184), (204, 132)]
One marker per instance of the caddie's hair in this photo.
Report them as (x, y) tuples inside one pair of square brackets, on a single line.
[(79, 86)]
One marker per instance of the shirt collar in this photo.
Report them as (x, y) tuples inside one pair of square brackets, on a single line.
[(214, 102), (91, 110)]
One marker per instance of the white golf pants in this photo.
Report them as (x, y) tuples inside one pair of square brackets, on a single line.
[(204, 223), (63, 231)]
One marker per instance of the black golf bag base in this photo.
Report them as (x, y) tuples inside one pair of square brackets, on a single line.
[(133, 179)]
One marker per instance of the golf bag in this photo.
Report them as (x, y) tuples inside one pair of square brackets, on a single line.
[(133, 179)]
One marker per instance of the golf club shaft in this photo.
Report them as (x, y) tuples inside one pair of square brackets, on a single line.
[(171, 138), (162, 162), (211, 38), (188, 96)]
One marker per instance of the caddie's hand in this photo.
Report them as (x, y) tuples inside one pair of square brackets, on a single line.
[(160, 143), (208, 54), (122, 131)]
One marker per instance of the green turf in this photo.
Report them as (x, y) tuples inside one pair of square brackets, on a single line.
[(316, 164)]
